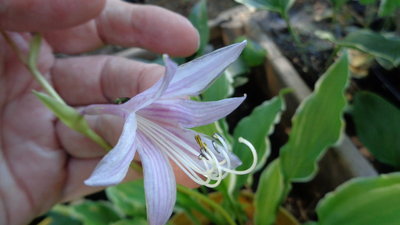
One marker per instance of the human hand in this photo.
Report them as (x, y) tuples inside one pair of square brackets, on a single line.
[(42, 162)]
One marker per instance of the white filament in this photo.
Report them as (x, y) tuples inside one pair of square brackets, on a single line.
[(214, 170)]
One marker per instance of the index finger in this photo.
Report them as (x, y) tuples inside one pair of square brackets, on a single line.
[(151, 27)]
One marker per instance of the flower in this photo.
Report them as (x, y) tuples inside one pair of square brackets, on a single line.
[(157, 123)]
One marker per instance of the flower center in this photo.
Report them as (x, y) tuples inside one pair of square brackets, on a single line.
[(203, 164)]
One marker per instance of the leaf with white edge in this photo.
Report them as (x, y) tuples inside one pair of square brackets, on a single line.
[(317, 124), (270, 194), (388, 7), (280, 6), (377, 123), (362, 201), (376, 44), (95, 213), (129, 198), (199, 18), (255, 128)]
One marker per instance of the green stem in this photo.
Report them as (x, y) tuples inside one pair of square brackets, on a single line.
[(32, 66), (292, 32), (208, 201)]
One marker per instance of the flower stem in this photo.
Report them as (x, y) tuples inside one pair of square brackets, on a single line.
[(208, 201)]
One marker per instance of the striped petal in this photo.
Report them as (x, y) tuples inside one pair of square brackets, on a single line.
[(153, 93), (159, 182), (195, 76), (189, 113), (113, 167)]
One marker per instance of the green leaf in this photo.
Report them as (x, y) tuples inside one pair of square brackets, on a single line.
[(270, 193), (378, 45), (338, 3), (129, 198), (255, 128), (280, 6), (317, 124), (136, 221), (199, 19), (377, 123), (55, 218), (95, 213), (220, 89), (367, 2), (363, 201), (253, 54), (187, 204), (388, 7)]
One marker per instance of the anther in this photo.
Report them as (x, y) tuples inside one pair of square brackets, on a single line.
[(215, 146)]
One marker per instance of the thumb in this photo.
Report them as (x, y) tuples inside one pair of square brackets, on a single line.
[(45, 15)]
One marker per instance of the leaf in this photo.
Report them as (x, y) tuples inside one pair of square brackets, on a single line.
[(188, 204), (253, 54), (363, 201), (199, 19), (129, 198), (135, 221), (317, 124), (220, 89), (255, 128), (378, 45), (280, 6), (54, 218), (377, 123), (95, 213), (366, 2), (270, 194), (388, 7), (338, 3)]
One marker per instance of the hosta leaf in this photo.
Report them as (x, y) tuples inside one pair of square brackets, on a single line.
[(129, 198), (377, 123), (317, 124), (199, 19), (388, 7), (136, 221), (220, 89), (270, 192), (376, 44), (255, 128), (253, 54), (95, 213), (363, 201)]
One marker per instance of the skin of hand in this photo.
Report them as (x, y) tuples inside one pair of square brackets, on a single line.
[(42, 162)]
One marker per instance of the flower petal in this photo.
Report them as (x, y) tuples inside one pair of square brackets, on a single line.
[(110, 109), (153, 93), (159, 182), (195, 76), (113, 167), (188, 113)]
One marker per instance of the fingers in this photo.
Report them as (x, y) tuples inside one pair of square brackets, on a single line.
[(102, 79), (40, 15), (121, 23)]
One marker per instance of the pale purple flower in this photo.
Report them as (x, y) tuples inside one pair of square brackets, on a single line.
[(157, 123)]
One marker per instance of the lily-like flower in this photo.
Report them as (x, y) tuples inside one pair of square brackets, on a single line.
[(157, 123)]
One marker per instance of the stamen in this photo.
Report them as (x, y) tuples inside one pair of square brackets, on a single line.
[(253, 165), (216, 162)]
